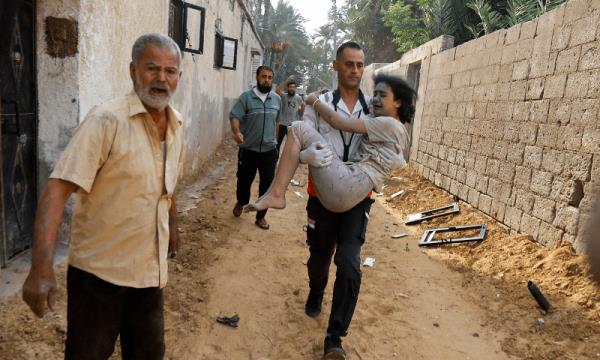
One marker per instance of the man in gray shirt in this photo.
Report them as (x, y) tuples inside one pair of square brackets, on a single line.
[(292, 107)]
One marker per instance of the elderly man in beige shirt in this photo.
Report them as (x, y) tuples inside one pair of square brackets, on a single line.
[(122, 163)]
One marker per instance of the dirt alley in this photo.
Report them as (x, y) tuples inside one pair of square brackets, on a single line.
[(458, 302)]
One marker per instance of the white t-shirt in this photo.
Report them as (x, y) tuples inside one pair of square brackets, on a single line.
[(262, 96), (387, 138)]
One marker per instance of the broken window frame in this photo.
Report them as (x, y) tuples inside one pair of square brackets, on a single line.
[(178, 31), (428, 235)]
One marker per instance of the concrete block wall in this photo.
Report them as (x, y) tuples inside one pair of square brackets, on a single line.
[(509, 123)]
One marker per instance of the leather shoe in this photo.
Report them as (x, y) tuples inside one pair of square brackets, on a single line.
[(237, 210), (333, 348), (262, 223)]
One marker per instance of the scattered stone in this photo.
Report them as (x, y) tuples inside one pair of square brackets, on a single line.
[(475, 334), (541, 321), (436, 325), (296, 292)]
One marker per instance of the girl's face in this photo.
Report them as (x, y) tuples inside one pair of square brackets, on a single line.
[(383, 101)]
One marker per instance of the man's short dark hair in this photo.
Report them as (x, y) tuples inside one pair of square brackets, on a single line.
[(347, 45), (263, 67), (292, 82)]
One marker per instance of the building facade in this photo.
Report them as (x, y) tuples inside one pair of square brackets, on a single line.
[(59, 58)]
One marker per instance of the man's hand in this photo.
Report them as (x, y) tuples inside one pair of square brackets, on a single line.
[(238, 137), (40, 289), (317, 155)]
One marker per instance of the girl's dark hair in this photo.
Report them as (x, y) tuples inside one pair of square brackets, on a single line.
[(402, 91)]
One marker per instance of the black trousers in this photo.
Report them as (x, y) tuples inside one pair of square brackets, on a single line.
[(98, 311), (344, 234), (281, 133), (248, 163)]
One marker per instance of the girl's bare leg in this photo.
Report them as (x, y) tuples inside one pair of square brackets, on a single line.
[(274, 198)]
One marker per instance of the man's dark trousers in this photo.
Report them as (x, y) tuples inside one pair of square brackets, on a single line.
[(344, 234), (248, 163), (99, 311), (281, 133)]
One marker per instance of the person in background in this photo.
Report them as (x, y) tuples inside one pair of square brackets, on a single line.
[(292, 108)]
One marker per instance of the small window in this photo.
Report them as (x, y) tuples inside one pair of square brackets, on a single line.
[(225, 52), (186, 26)]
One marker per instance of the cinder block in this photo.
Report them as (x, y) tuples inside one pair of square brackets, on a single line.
[(521, 111), (480, 164), (513, 217), (549, 235), (494, 188), (569, 137), (547, 135), (553, 161), (520, 70), (594, 84), (530, 225), (460, 157), (528, 133), (498, 210), (561, 189), (590, 57), (461, 175), (554, 86), (506, 73), (542, 65), (452, 170), (524, 200), (509, 54), (544, 209), (512, 34), (539, 111), (542, 44), (578, 85), (500, 150), (515, 153), (584, 112), (541, 182), (518, 89), (584, 30), (560, 111), (482, 183), (463, 192), (528, 29), (454, 186), (578, 166), (568, 60), (506, 172), (533, 156), (485, 204), (524, 49), (560, 37), (473, 197), (545, 23), (535, 89), (471, 180), (590, 142), (523, 177), (567, 218), (575, 9)]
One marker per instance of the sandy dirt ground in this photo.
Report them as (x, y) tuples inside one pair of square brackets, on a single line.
[(467, 301)]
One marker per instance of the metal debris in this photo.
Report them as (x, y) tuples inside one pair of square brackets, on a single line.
[(538, 296), (370, 262), (398, 236), (428, 237), (430, 214), (229, 320)]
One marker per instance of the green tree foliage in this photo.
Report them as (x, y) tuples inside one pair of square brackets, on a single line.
[(282, 31), (409, 31), (364, 22)]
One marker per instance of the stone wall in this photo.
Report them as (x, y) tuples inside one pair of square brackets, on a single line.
[(509, 122)]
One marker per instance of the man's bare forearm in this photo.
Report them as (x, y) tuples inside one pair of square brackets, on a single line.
[(47, 219)]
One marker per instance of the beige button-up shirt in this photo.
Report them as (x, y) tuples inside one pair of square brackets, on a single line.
[(120, 225)]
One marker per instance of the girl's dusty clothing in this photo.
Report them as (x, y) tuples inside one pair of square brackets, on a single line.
[(341, 186)]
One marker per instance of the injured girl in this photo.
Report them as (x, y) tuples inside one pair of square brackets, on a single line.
[(340, 186)]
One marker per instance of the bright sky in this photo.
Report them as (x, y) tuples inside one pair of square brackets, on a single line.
[(315, 11)]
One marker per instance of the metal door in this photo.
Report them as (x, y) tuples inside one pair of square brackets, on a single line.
[(18, 122)]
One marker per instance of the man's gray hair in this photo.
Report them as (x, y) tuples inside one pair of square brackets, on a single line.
[(155, 39)]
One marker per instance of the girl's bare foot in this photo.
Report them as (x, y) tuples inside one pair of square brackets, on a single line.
[(267, 201)]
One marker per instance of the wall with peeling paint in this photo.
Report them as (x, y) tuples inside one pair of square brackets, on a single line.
[(69, 87)]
